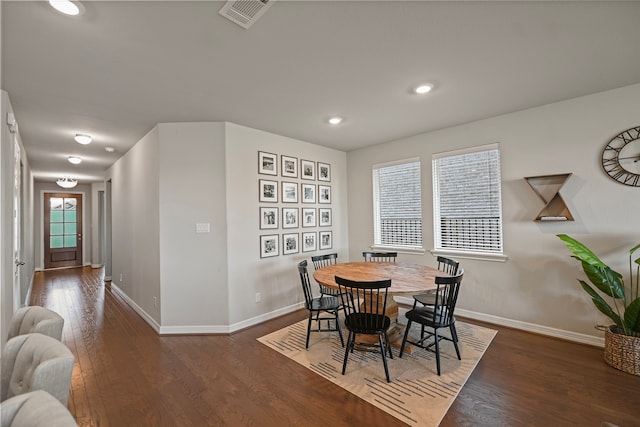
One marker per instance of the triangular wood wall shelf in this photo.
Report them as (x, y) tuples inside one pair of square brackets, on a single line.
[(547, 187)]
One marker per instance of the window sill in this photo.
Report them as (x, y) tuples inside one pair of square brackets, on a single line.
[(399, 249), (481, 256)]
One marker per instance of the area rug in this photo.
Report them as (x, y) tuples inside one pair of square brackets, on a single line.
[(416, 394)]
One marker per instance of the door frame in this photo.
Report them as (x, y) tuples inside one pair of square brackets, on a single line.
[(42, 219)]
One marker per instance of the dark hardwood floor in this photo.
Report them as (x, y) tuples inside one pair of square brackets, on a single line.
[(127, 375)]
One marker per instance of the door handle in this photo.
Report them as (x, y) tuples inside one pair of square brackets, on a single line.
[(19, 263)]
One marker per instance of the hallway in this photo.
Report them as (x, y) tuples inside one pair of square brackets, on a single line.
[(127, 375)]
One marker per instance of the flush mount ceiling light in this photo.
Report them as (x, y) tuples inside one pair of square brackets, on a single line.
[(67, 7), (82, 139), (75, 160), (335, 120), (67, 182), (423, 88)]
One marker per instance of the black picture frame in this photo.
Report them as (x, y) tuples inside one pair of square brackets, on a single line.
[(267, 163)]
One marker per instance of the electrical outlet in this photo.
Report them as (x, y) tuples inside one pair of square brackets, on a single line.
[(257, 296), (121, 277), (155, 301)]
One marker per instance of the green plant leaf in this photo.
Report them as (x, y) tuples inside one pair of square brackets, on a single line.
[(604, 278), (601, 304), (632, 250), (580, 251), (632, 316)]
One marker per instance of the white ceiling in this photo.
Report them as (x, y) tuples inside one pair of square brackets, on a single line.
[(121, 67)]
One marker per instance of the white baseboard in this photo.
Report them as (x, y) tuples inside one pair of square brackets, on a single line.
[(203, 329), (150, 320), (524, 326)]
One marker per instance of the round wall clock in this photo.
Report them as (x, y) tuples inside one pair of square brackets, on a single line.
[(621, 157)]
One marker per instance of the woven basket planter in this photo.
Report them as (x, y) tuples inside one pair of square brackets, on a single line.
[(622, 351)]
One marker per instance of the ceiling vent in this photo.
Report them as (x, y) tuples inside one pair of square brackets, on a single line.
[(245, 12)]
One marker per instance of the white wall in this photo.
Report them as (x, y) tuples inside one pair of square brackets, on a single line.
[(136, 226), (275, 278), (536, 287), (193, 266), (7, 153), (183, 174)]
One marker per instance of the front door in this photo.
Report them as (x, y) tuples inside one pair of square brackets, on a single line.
[(62, 230)]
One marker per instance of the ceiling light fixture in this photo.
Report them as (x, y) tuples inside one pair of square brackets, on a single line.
[(66, 6), (423, 88), (75, 160), (67, 182), (109, 149), (335, 120), (82, 139)]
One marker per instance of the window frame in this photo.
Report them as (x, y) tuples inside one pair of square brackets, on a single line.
[(377, 233), (467, 253)]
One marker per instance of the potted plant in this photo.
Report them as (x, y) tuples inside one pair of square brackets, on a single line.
[(622, 340)]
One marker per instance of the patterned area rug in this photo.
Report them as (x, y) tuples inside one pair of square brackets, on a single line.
[(416, 394)]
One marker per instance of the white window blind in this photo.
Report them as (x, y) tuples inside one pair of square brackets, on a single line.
[(467, 200), (397, 204)]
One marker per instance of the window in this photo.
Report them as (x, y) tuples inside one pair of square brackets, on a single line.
[(397, 205), (467, 204)]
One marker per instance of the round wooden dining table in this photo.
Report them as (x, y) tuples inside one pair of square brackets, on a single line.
[(405, 278)]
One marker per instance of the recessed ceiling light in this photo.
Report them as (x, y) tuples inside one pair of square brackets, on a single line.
[(67, 7), (423, 88), (335, 120), (82, 139), (75, 160), (109, 149)]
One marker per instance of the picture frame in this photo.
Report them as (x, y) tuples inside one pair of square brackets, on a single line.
[(290, 218), (308, 169), (289, 192), (324, 194), (324, 217), (289, 166), (290, 243), (308, 192), (325, 240), (267, 163), (268, 191), (269, 246), (324, 172), (268, 218), (309, 217), (309, 241)]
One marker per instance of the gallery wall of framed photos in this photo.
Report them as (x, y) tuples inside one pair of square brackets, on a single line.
[(295, 205)]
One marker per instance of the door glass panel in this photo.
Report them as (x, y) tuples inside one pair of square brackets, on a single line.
[(56, 216), (56, 203), (69, 228), (56, 242), (69, 216), (69, 240), (56, 229)]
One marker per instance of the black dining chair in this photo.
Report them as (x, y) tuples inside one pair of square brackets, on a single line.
[(446, 265), (320, 261), (323, 309), (364, 305), (437, 316), (380, 256)]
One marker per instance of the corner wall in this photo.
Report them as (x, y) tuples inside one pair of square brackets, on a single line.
[(536, 288)]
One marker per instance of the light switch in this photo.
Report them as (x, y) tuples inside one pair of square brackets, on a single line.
[(203, 228)]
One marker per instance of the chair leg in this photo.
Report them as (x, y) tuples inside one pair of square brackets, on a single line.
[(454, 336), (435, 335), (339, 328), (388, 344), (383, 351), (350, 340), (309, 329), (404, 340)]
